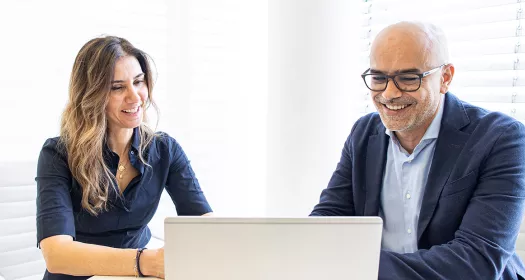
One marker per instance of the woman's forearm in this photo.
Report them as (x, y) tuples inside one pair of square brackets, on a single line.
[(65, 256)]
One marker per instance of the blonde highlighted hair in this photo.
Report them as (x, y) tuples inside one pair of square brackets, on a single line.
[(83, 130)]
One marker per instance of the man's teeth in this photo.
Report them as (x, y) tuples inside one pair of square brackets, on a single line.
[(395, 107), (134, 110)]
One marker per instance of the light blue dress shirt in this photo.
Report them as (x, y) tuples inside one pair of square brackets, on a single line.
[(404, 184)]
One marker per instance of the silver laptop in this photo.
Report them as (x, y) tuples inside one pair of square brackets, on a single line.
[(312, 248)]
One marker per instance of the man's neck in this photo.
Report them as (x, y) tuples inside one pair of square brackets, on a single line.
[(409, 140), (119, 139)]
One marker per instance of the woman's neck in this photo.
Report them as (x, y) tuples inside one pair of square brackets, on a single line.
[(118, 140)]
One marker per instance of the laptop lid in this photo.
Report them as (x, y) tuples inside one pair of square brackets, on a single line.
[(309, 248)]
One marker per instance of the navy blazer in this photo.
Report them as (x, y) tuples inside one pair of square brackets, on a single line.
[(473, 202)]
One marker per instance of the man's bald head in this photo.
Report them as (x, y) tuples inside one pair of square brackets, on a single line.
[(406, 44)]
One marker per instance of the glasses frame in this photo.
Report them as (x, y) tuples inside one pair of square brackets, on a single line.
[(392, 77)]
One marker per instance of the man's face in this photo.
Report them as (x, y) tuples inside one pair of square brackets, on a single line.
[(399, 51)]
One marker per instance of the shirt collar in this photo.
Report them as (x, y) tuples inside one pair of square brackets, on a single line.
[(433, 130), (135, 139)]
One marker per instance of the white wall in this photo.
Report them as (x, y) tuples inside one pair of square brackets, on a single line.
[(263, 98), (258, 93), (218, 94), (312, 98)]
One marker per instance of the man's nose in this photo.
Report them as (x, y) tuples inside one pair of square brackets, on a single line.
[(391, 91)]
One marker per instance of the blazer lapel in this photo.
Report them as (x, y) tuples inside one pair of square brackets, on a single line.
[(450, 142), (375, 167)]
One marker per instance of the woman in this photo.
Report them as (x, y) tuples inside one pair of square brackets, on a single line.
[(100, 182)]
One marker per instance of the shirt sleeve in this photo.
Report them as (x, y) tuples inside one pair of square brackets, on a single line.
[(182, 185), (54, 209)]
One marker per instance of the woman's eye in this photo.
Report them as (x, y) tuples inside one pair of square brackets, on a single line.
[(116, 88)]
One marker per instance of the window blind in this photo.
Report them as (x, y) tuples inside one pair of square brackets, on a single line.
[(486, 41)]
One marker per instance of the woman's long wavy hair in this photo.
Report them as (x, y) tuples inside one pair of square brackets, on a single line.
[(83, 131)]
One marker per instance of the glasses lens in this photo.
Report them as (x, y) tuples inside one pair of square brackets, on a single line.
[(408, 82), (376, 81)]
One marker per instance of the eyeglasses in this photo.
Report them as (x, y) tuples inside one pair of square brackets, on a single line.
[(407, 82)]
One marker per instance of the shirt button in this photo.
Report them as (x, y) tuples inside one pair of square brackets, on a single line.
[(408, 196), (131, 152), (409, 231)]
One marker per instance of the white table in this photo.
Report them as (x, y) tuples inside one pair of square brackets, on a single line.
[(118, 278)]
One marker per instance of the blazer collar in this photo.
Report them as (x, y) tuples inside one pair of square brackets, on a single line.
[(450, 142), (449, 145)]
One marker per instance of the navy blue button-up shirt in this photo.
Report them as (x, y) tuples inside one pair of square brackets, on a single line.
[(124, 225)]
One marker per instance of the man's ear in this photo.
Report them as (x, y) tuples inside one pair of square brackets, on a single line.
[(446, 77)]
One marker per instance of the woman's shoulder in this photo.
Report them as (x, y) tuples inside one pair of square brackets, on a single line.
[(166, 144), (53, 154), (54, 145), (52, 142), (165, 139)]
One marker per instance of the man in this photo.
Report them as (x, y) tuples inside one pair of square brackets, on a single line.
[(448, 178)]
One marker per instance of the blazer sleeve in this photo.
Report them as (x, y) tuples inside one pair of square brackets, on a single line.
[(485, 240), (337, 198)]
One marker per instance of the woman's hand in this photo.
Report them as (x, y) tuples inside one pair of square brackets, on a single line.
[(152, 262)]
